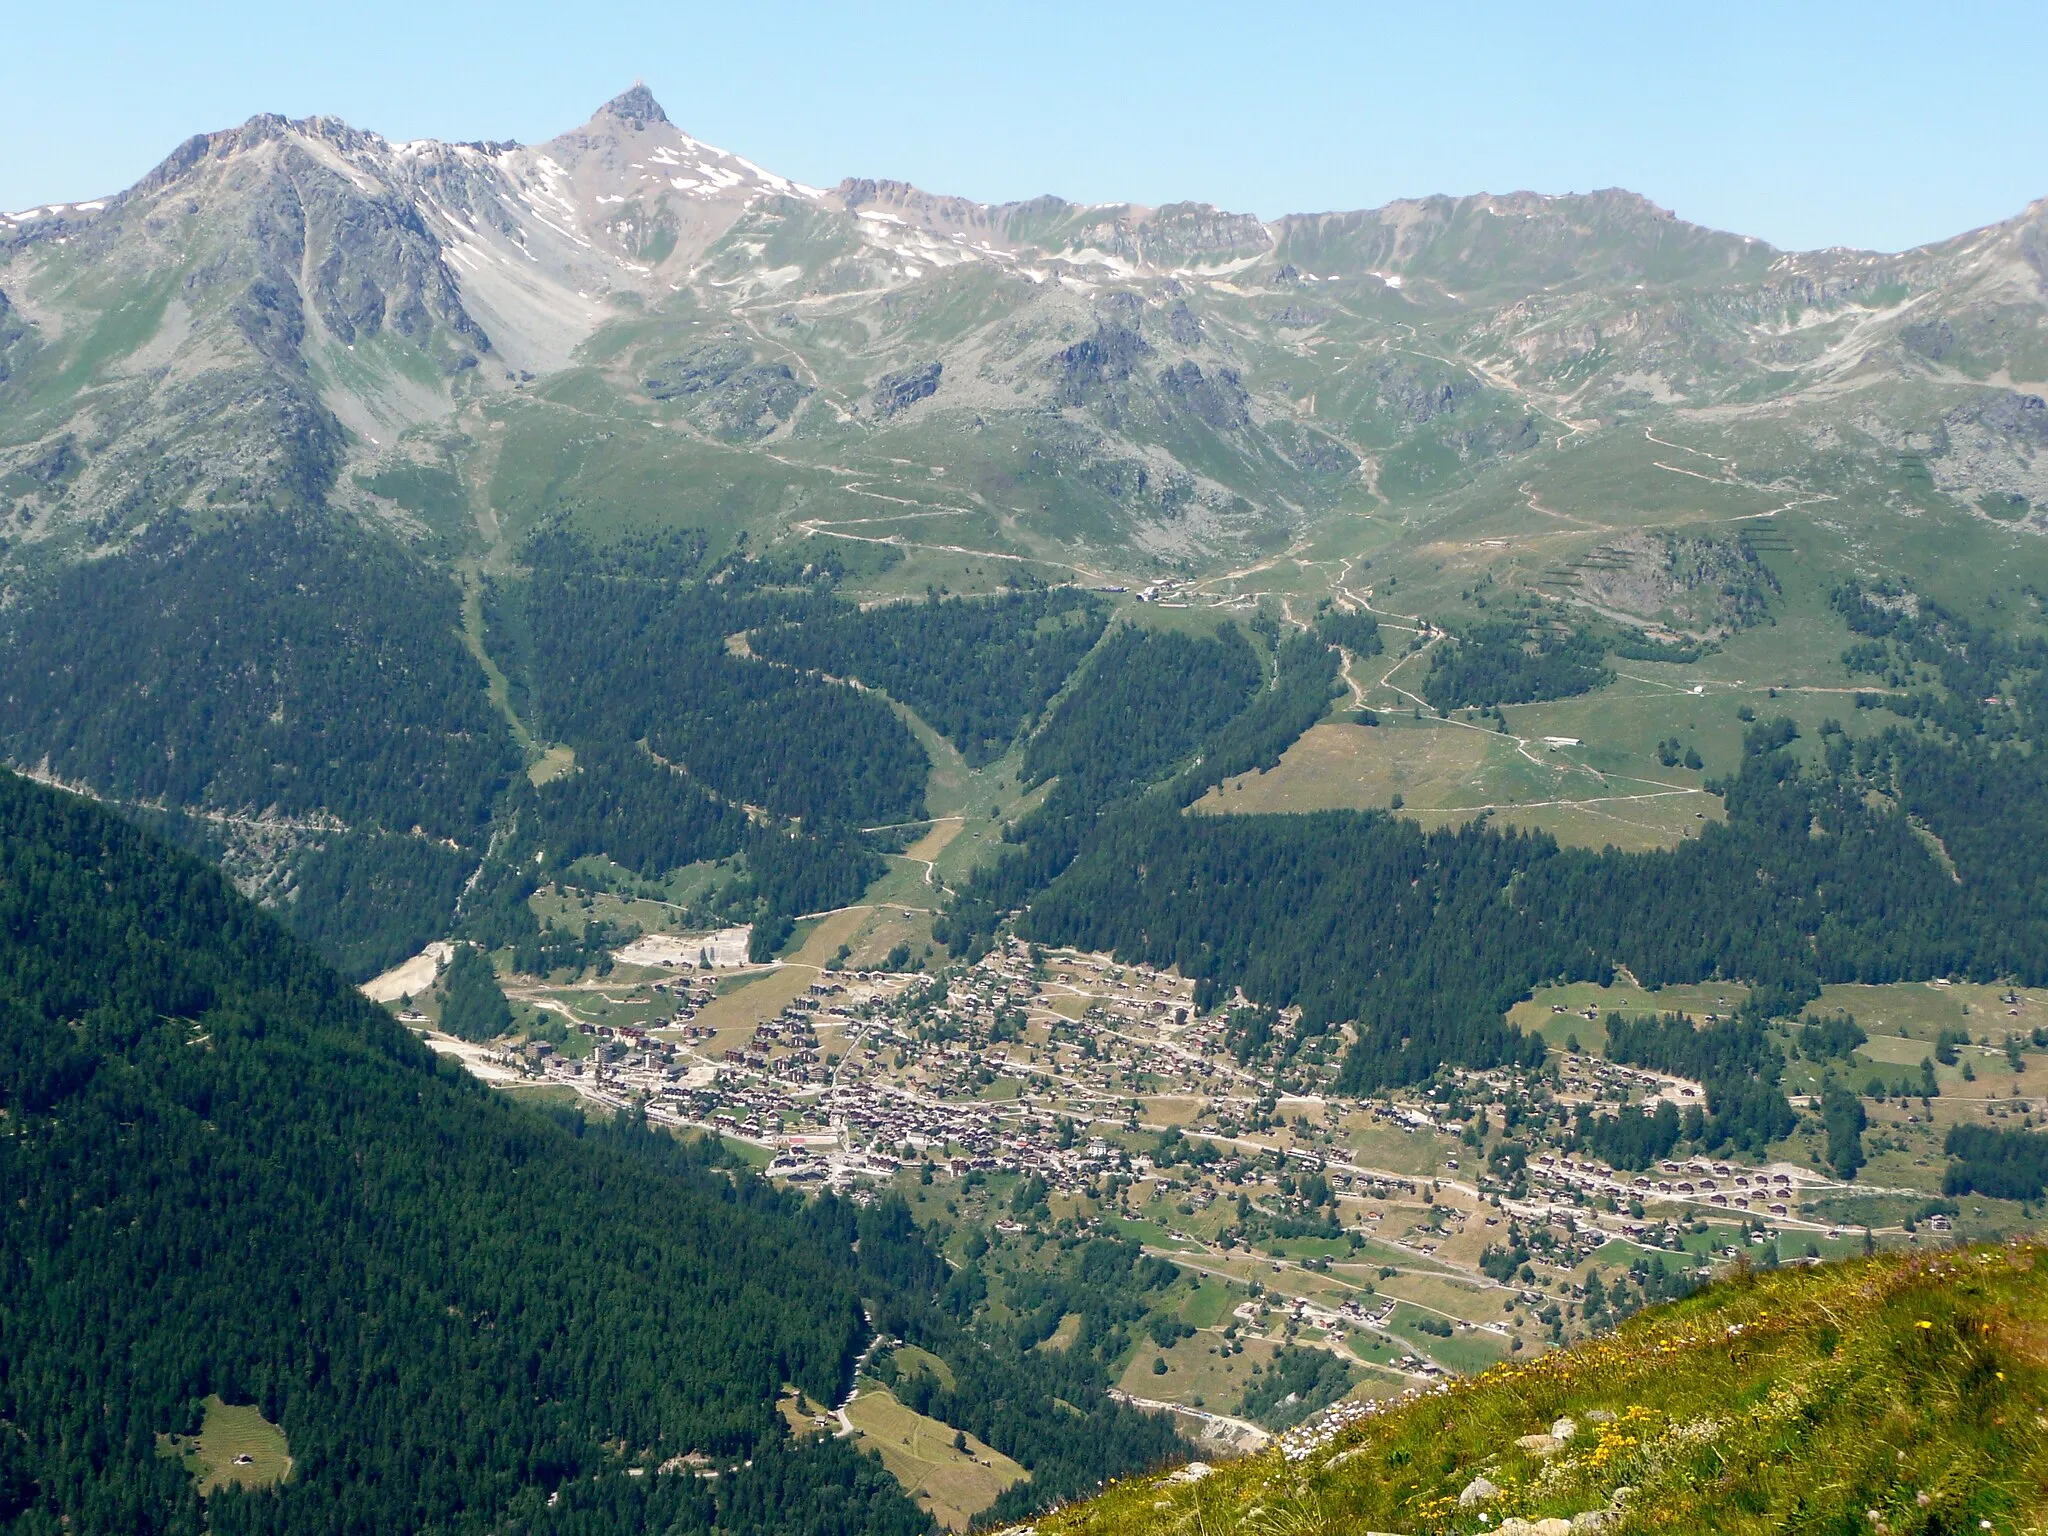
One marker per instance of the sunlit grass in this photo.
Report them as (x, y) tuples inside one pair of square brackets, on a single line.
[(1879, 1395)]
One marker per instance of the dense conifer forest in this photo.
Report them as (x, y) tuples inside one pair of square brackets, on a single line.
[(687, 747), (1142, 705), (1303, 684), (365, 900), (287, 664), (228, 1173), (2007, 1164), (1734, 1059), (629, 648), (1357, 632), (290, 670), (1147, 699), (977, 670), (369, 900), (644, 814), (473, 1005), (1512, 661), (1426, 937)]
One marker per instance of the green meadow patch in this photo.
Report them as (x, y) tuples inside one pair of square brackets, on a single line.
[(235, 1444)]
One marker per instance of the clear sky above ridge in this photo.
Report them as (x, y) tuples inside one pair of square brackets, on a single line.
[(1876, 125)]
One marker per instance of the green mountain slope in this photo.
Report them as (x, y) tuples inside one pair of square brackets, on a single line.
[(1887, 1396), (227, 1174), (313, 416)]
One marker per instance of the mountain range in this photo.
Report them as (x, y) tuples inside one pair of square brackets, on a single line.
[(1369, 645), (322, 458), (292, 312)]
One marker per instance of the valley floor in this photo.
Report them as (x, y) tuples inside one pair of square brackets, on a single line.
[(1374, 1230)]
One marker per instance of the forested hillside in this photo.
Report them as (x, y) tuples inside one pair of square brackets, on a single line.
[(1511, 661), (629, 646), (1140, 708), (1147, 700), (230, 1175), (292, 696), (1425, 938), (684, 749), (977, 671), (295, 665)]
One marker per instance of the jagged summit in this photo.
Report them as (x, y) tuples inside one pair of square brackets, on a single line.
[(636, 106), (331, 292)]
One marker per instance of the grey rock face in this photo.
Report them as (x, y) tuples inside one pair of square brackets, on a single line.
[(1319, 454), (1183, 325), (1993, 451), (758, 400), (1299, 317), (1934, 340), (1123, 309), (297, 240), (696, 372), (1196, 232), (54, 463), (1219, 402), (900, 390), (13, 331), (1418, 393), (735, 397), (2017, 418), (1089, 369), (1478, 1491), (636, 106)]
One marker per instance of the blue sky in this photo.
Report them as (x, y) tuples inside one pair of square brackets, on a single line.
[(1804, 124)]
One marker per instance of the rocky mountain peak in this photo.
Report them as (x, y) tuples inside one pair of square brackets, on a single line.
[(331, 291), (636, 106)]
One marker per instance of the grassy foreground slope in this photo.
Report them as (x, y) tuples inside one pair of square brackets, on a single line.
[(1879, 1395)]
